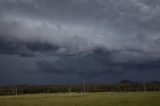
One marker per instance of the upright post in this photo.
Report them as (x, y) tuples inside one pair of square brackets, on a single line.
[(144, 86), (84, 87), (69, 90), (16, 90)]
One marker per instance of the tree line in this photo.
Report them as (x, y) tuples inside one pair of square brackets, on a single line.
[(122, 86)]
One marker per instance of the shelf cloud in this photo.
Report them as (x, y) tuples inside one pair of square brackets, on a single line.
[(84, 38)]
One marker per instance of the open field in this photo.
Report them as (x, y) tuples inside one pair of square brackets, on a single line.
[(90, 99)]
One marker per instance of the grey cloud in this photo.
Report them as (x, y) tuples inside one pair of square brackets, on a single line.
[(66, 24), (96, 64), (25, 49), (87, 37), (49, 67), (15, 49), (114, 24)]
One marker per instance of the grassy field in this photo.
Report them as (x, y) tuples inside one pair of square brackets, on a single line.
[(90, 99)]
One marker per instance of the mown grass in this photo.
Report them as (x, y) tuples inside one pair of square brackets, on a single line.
[(90, 99)]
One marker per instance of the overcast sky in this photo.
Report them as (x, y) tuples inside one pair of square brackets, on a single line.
[(68, 41)]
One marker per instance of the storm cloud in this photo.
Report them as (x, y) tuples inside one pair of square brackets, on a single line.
[(84, 38)]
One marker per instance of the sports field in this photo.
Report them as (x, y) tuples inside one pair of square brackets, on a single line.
[(89, 99)]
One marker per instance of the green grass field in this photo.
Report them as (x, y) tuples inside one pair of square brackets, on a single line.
[(90, 99)]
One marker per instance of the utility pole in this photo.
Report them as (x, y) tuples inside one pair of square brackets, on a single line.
[(69, 90), (144, 86), (84, 87), (16, 90)]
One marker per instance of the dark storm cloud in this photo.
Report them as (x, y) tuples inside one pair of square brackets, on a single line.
[(87, 38), (83, 65), (49, 67), (24, 49), (85, 24), (14, 48), (96, 64)]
